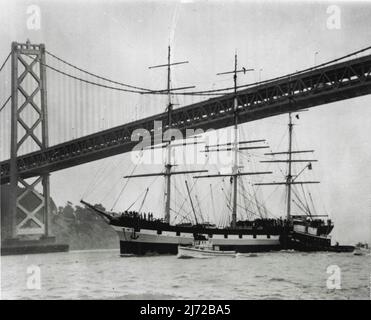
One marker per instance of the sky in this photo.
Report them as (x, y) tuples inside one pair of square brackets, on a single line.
[(121, 39)]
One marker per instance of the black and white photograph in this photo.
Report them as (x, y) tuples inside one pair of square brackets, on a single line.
[(190, 150)]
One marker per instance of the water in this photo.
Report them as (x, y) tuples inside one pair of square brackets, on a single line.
[(105, 275)]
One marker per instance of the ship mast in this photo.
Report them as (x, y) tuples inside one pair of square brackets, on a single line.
[(235, 145), (290, 179), (168, 165), (235, 165), (235, 137), (289, 175)]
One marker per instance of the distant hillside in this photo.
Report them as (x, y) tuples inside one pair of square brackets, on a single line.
[(75, 225), (82, 229)]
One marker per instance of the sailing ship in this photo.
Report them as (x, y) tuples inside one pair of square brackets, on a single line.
[(141, 234)]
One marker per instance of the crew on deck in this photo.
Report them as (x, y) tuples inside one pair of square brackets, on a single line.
[(134, 214)]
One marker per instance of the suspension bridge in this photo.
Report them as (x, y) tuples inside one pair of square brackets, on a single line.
[(38, 90)]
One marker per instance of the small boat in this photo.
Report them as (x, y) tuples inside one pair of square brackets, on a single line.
[(361, 249), (358, 252), (202, 249)]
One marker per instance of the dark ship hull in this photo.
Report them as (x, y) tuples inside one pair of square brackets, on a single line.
[(140, 237), (151, 238)]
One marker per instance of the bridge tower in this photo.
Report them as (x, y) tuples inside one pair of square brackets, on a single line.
[(29, 209)]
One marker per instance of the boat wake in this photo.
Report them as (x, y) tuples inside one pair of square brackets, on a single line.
[(288, 251), (246, 255), (193, 257)]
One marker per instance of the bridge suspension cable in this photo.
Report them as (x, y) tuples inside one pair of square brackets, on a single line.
[(1, 69), (277, 78), (220, 91), (148, 91), (5, 103), (84, 80), (95, 75), (141, 89), (211, 92), (161, 92), (5, 61)]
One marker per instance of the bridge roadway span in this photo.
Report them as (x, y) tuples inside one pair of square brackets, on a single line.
[(320, 86)]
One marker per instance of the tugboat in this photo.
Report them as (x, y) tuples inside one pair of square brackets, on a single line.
[(203, 249), (361, 249)]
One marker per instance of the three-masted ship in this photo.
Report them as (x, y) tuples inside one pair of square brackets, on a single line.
[(140, 234)]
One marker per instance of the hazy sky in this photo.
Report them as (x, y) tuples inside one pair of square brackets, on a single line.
[(120, 39)]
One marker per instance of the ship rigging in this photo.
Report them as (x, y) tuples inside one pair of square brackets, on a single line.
[(141, 234)]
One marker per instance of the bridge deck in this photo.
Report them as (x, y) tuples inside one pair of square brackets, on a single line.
[(308, 89)]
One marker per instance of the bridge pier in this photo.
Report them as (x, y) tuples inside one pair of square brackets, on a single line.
[(27, 220)]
